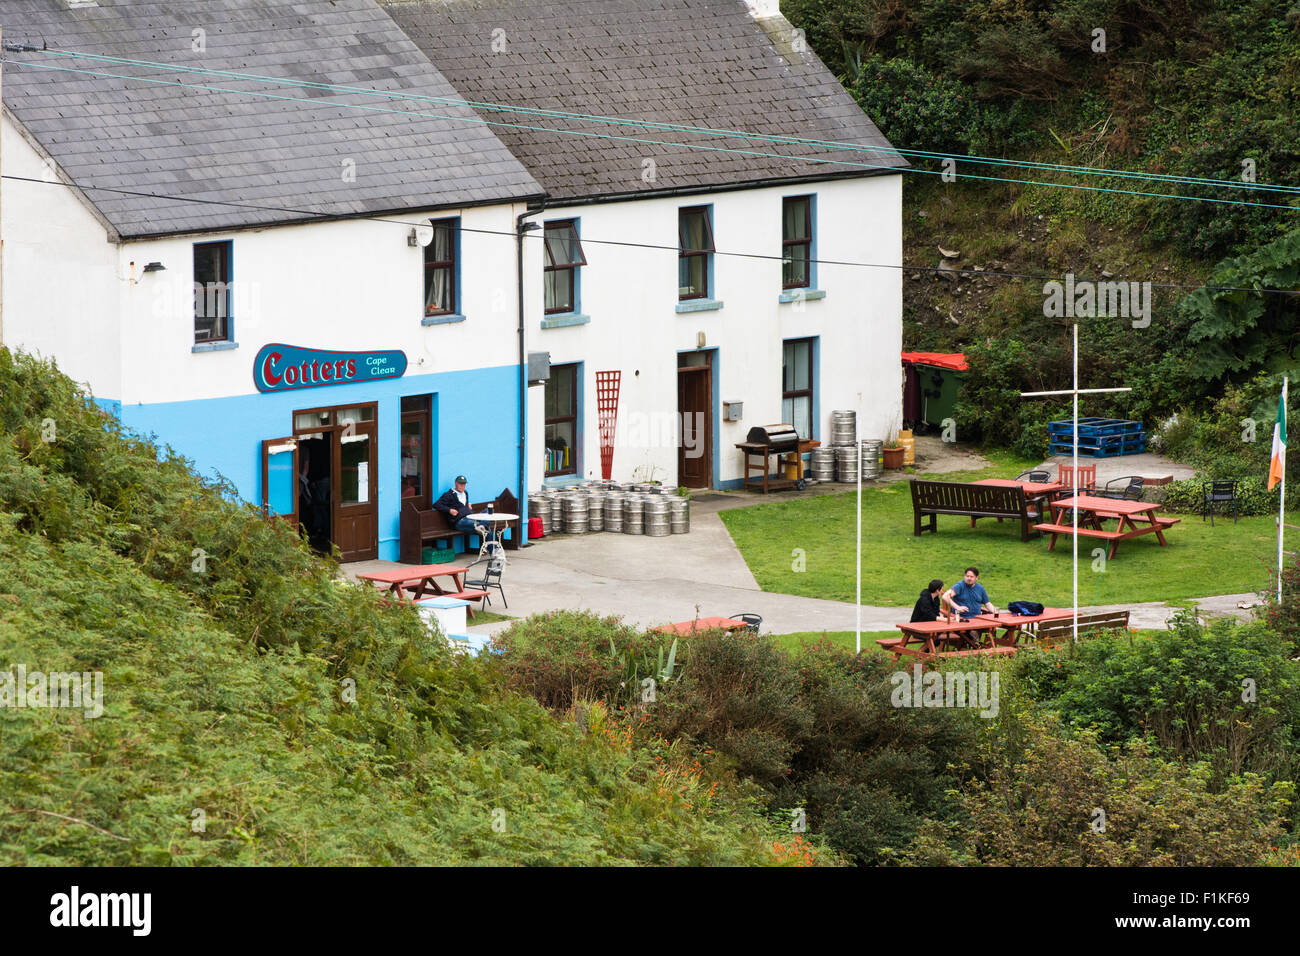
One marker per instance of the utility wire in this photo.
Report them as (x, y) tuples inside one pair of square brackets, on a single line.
[(639, 245), (670, 127), (476, 120)]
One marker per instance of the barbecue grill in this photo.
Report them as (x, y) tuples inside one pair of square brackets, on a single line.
[(761, 443)]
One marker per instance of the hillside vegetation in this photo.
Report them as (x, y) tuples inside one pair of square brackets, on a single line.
[(227, 733), (1182, 88)]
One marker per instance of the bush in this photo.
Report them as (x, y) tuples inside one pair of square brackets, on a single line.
[(1043, 810), (1187, 496), (914, 108)]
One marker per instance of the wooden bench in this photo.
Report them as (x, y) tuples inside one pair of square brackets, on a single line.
[(1055, 632), (933, 498), (1084, 531), (1004, 651), (418, 527)]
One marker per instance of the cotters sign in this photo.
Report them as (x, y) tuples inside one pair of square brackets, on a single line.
[(280, 368)]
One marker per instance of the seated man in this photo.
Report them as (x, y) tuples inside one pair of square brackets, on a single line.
[(967, 598), (454, 503), (928, 606)]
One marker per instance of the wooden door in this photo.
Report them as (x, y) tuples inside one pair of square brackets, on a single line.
[(355, 483), (695, 409), (280, 479)]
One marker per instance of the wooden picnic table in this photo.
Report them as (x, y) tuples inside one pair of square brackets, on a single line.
[(935, 637), (1135, 518), (684, 628), (1032, 489), (421, 581)]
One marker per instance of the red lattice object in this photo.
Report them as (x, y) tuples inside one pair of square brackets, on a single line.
[(607, 416)]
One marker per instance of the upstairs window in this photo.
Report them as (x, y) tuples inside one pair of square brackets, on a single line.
[(695, 252), (796, 242), (563, 255), (440, 268), (212, 276)]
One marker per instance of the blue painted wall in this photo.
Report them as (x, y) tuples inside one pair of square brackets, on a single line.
[(475, 432)]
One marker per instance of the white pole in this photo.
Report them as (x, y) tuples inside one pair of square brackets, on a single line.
[(858, 575), (1075, 482), (1281, 504)]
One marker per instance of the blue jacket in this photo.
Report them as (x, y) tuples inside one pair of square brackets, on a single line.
[(449, 501)]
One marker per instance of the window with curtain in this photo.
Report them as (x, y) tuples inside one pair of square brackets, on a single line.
[(440, 268), (796, 242), (563, 256), (695, 250), (797, 385), (562, 420)]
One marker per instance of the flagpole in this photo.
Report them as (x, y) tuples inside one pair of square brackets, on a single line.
[(1281, 503), (1074, 481), (858, 573)]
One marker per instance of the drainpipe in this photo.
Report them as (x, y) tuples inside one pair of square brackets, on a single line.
[(520, 228)]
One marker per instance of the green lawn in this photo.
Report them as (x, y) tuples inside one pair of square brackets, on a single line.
[(1198, 561)]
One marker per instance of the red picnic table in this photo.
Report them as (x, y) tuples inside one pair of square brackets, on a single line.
[(1013, 624), (422, 581), (935, 636), (684, 628), (1135, 518)]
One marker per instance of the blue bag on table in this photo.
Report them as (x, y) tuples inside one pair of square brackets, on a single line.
[(1024, 608)]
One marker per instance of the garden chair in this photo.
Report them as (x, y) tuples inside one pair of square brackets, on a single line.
[(1217, 492), (1087, 476), (491, 578), (1128, 488), (752, 621), (1038, 477)]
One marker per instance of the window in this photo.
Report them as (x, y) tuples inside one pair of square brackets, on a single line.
[(695, 252), (415, 450), (797, 385), (440, 268), (562, 420), (562, 250), (212, 291), (796, 242)]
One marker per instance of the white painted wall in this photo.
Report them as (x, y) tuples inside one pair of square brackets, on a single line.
[(352, 285), (631, 296), (60, 271)]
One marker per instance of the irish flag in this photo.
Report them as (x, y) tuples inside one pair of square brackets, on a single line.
[(1278, 464)]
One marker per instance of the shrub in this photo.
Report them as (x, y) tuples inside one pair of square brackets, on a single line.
[(914, 108)]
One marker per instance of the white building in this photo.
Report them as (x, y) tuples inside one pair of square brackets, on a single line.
[(325, 225), (687, 335)]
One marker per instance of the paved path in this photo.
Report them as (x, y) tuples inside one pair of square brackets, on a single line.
[(651, 581)]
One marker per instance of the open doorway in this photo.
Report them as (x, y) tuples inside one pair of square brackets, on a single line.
[(315, 498)]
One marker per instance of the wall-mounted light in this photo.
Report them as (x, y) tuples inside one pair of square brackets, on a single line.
[(155, 267)]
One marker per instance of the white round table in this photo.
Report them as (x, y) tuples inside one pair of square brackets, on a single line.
[(491, 545)]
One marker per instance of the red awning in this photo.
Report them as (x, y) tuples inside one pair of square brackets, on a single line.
[(952, 360)]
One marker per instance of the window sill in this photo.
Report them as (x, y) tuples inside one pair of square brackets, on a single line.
[(699, 305), (805, 295), (214, 346), (560, 321), (445, 319), (561, 481)]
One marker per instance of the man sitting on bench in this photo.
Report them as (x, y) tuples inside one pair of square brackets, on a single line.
[(966, 594), (454, 503)]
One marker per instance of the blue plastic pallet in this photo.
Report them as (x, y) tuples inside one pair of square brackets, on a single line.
[(1095, 428)]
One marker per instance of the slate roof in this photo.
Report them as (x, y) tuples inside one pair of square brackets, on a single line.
[(233, 147), (695, 62)]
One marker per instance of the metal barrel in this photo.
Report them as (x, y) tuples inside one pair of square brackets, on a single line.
[(633, 514), (557, 514), (596, 512), (575, 514), (614, 511), (823, 463), (679, 515), (656, 516), (846, 463), (844, 426), (872, 458), (540, 507)]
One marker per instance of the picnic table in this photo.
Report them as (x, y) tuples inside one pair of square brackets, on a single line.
[(1032, 489), (422, 581), (684, 628), (936, 637), (1013, 624), (1135, 518)]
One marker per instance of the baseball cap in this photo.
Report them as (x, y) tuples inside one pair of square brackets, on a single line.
[(460, 480)]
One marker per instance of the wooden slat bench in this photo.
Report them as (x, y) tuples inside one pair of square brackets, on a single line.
[(1002, 651), (420, 526), (1090, 624), (933, 498)]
